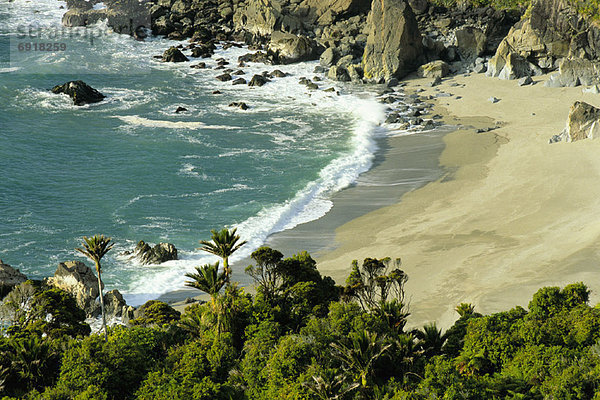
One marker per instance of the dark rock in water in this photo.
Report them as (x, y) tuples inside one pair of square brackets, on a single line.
[(158, 254), (258, 57), (216, 92), (394, 46), (78, 279), (9, 278), (224, 77), (329, 90), (114, 303), (257, 80), (220, 67), (180, 109), (80, 92), (173, 54), (199, 65), (312, 86), (239, 81), (239, 104), (239, 72), (278, 74), (319, 69)]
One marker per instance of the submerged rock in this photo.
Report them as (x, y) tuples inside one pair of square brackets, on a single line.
[(239, 104), (80, 92), (78, 279)]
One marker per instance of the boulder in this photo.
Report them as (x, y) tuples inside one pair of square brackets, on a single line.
[(223, 77), (239, 81), (258, 57), (339, 74), (471, 42), (262, 17), (80, 92), (287, 48), (525, 81), (158, 254), (173, 54), (9, 278), (583, 122), (257, 80), (575, 72), (239, 104), (78, 279), (434, 69), (328, 57), (394, 46), (114, 304)]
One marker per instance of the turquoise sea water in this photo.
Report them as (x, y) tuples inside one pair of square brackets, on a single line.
[(132, 169)]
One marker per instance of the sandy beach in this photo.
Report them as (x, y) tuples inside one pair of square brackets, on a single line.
[(513, 213)]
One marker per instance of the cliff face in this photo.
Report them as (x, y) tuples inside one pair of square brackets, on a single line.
[(537, 44), (394, 45)]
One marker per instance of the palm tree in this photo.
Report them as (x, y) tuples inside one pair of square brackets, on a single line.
[(207, 279), (358, 355), (223, 243), (95, 248), (431, 340)]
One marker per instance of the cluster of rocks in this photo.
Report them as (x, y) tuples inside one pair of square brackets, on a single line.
[(553, 37), (152, 255), (81, 282)]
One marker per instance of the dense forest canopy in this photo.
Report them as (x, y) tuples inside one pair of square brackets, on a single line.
[(302, 337)]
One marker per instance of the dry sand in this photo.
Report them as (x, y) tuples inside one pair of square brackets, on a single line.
[(512, 214)]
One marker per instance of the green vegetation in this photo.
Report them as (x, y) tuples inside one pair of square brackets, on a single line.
[(95, 248), (496, 4), (301, 337)]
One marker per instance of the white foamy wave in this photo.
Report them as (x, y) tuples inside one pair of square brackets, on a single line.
[(10, 69), (188, 169), (153, 123), (310, 203)]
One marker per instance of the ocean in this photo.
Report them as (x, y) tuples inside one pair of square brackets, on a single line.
[(131, 168)]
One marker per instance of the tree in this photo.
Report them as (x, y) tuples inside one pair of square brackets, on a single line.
[(373, 284), (358, 355), (207, 279), (95, 248), (223, 243)]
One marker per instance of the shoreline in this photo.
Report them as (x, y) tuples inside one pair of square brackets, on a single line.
[(401, 164), (510, 216)]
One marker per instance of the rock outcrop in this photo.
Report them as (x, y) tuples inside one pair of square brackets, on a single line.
[(287, 48), (575, 72), (158, 254), (80, 92), (553, 30), (394, 46), (114, 304), (78, 279), (583, 123), (9, 278)]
